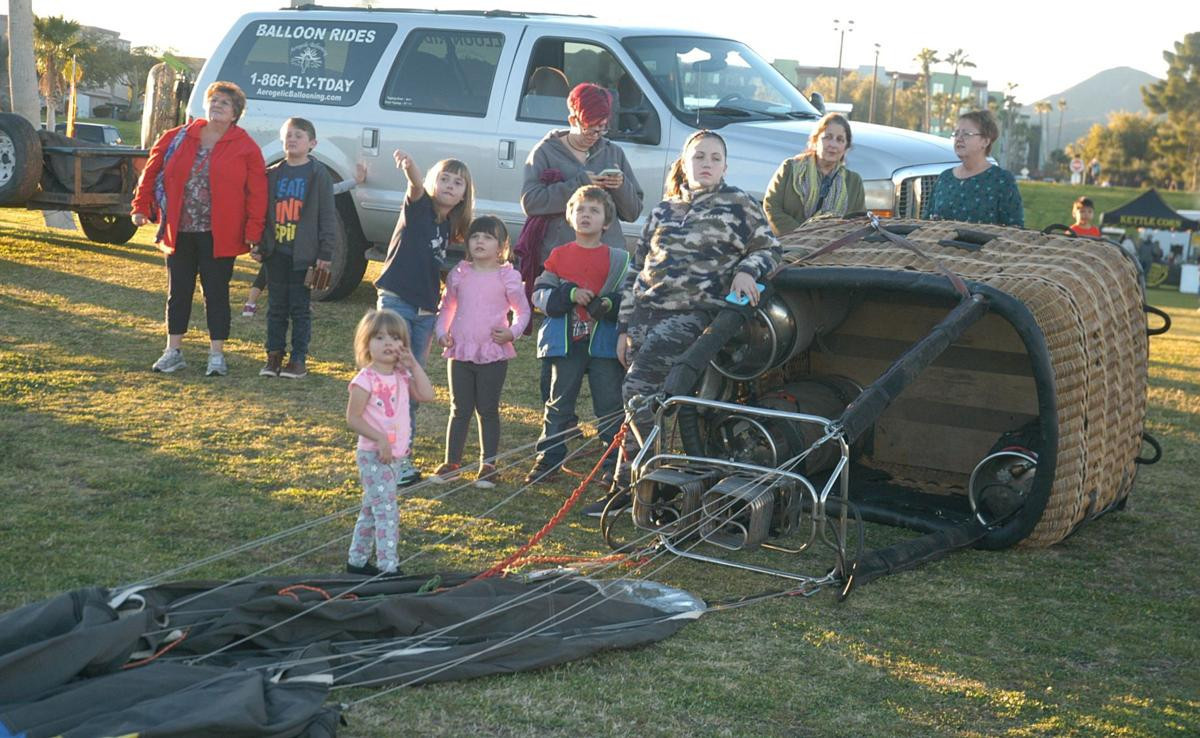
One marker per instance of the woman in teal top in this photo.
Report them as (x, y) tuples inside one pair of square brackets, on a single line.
[(977, 191)]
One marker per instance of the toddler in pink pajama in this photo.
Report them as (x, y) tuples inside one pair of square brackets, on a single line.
[(388, 378)]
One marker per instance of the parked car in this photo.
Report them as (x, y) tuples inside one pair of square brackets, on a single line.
[(94, 132), (456, 83)]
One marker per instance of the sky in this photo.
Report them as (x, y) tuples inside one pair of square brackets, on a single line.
[(1044, 47)]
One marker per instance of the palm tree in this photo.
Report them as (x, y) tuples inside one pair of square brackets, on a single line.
[(22, 71), (56, 40), (957, 58), (927, 58), (1062, 108), (1007, 115), (1043, 109)]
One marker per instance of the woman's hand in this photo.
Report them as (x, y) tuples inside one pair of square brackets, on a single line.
[(139, 220), (446, 341), (623, 349), (612, 181), (360, 172), (502, 335), (744, 286)]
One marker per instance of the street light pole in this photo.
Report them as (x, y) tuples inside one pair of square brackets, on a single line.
[(874, 79), (895, 84), (841, 28)]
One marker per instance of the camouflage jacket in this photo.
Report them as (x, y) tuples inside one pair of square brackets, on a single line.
[(691, 248)]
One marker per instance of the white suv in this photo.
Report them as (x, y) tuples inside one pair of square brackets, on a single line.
[(462, 84)]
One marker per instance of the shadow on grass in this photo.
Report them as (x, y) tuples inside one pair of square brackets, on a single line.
[(77, 288), (117, 510), (129, 252)]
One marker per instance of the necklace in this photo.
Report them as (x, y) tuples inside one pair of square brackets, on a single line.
[(573, 146)]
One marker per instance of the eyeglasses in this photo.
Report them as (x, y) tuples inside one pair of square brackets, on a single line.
[(594, 131), (965, 134)]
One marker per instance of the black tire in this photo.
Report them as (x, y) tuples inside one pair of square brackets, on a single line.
[(349, 261), (20, 160), (101, 228)]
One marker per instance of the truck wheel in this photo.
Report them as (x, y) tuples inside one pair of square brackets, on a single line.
[(349, 261), (103, 228), (20, 160)]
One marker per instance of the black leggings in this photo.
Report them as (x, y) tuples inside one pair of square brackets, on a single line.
[(194, 255), (474, 390)]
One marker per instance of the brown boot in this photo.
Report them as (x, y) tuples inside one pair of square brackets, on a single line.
[(294, 369), (273, 365)]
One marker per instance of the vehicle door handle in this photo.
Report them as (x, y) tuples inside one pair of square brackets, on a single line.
[(370, 141), (506, 153)]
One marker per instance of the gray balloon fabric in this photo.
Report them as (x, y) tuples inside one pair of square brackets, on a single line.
[(258, 657)]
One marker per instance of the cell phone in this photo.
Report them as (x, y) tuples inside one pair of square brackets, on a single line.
[(734, 299), (611, 172)]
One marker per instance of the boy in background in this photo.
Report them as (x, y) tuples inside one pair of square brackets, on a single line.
[(1083, 210)]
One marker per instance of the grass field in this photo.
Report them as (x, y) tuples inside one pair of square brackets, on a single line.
[(112, 474), (1047, 203)]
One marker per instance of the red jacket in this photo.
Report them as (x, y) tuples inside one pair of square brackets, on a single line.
[(237, 180)]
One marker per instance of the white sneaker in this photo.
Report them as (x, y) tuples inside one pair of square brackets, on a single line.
[(216, 366), (171, 360)]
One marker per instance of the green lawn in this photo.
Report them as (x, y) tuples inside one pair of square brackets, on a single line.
[(113, 474), (131, 130), (1047, 203)]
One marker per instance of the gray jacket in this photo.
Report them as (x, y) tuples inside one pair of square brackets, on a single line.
[(318, 231), (551, 199)]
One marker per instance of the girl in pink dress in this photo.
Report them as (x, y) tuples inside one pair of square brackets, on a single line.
[(483, 310)]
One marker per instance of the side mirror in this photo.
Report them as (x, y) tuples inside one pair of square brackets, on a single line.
[(818, 101)]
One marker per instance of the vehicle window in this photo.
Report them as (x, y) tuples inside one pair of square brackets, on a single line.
[(556, 65), (716, 77), (444, 71), (310, 61)]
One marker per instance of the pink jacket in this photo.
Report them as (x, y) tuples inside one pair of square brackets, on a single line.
[(476, 302)]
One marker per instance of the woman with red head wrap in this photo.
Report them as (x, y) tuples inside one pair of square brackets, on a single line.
[(561, 163), (566, 160)]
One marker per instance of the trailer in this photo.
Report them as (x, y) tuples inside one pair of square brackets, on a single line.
[(43, 170)]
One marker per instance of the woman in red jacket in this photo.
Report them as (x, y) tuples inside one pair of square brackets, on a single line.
[(206, 186)]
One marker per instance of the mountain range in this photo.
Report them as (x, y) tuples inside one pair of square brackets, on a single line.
[(1091, 101)]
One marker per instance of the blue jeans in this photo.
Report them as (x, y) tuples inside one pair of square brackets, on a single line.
[(567, 373), (287, 299), (420, 329)]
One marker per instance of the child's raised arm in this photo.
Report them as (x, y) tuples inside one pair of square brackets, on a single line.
[(355, 407), (416, 178)]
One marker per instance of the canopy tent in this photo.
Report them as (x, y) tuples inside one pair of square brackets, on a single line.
[(1148, 210)]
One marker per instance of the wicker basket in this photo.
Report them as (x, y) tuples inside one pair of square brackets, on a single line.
[(1087, 333)]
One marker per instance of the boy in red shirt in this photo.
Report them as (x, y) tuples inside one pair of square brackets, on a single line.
[(580, 293), (1084, 210)]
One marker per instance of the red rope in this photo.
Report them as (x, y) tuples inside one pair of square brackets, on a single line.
[(166, 648), (291, 592), (558, 516)]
